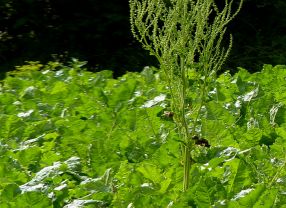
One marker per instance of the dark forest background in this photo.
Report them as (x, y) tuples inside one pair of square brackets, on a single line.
[(98, 32)]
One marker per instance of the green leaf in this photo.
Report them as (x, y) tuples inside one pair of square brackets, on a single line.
[(150, 172), (247, 197), (9, 193), (32, 199), (267, 199), (218, 133), (59, 87), (251, 138), (29, 157)]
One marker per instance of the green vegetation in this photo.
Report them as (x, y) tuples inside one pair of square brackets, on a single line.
[(72, 138)]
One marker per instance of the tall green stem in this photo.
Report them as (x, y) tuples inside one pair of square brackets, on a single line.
[(187, 167)]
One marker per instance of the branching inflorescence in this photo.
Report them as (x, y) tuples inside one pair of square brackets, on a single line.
[(186, 36)]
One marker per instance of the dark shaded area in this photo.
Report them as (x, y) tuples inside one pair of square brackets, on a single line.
[(99, 32), (259, 35), (91, 30), (201, 141)]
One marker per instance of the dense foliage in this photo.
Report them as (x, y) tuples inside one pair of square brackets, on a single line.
[(94, 30), (72, 138)]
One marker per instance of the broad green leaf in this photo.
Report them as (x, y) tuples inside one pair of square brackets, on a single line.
[(29, 156), (150, 172), (32, 199), (59, 87), (247, 197), (250, 138), (237, 175), (218, 133), (267, 199), (9, 193)]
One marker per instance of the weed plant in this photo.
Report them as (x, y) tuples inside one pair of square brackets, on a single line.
[(186, 37)]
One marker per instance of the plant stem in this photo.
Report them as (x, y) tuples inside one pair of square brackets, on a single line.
[(187, 167), (187, 148)]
